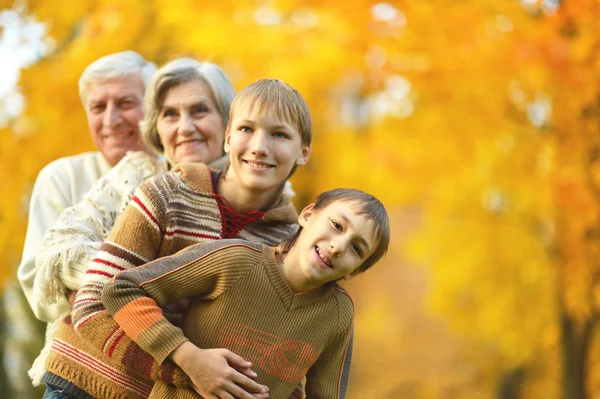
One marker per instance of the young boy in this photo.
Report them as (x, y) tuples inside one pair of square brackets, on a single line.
[(268, 135), (279, 308)]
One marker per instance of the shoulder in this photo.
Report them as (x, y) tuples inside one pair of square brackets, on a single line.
[(139, 160), (232, 246), (196, 175), (86, 163), (344, 304)]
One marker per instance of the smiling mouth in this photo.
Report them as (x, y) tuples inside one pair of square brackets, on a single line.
[(190, 142), (258, 165), (324, 257), (119, 135)]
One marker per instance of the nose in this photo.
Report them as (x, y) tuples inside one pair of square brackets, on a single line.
[(259, 144), (337, 247), (112, 115), (186, 126)]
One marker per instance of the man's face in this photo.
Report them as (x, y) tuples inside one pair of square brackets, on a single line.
[(114, 110)]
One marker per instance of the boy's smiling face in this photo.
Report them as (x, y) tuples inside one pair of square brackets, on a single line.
[(334, 242), (263, 148)]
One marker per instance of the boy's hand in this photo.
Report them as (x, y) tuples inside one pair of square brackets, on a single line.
[(218, 373)]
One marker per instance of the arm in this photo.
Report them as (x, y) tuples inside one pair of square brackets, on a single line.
[(76, 237), (328, 376), (48, 199), (135, 298), (124, 250)]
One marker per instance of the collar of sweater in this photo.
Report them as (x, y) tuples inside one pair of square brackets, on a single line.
[(292, 300)]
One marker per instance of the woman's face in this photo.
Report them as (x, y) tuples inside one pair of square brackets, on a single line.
[(189, 124)]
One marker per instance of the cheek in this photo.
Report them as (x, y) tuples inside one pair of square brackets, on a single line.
[(167, 135), (133, 116), (95, 123)]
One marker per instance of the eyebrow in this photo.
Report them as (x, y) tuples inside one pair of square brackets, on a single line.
[(200, 101), (274, 127), (361, 239), (120, 98)]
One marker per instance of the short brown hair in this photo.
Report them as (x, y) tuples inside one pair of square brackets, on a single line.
[(273, 95), (369, 206)]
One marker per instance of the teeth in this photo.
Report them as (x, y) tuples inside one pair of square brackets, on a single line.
[(256, 165), (321, 256)]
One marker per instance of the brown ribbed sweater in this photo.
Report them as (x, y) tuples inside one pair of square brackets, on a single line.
[(167, 213), (240, 301)]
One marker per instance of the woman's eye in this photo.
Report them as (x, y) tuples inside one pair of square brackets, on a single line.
[(200, 110)]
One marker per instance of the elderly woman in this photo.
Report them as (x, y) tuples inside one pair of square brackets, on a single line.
[(186, 108)]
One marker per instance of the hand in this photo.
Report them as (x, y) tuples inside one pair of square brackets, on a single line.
[(71, 295), (218, 373)]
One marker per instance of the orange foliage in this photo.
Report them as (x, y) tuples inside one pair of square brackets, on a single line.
[(482, 115)]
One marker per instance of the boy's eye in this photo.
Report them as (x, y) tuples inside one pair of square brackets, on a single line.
[(280, 135), (168, 113), (357, 249), (245, 129), (337, 226)]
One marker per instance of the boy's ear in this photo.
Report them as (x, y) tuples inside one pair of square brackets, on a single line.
[(304, 155), (306, 213), (226, 142)]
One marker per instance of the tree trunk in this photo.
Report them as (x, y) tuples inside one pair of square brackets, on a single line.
[(575, 350), (510, 384)]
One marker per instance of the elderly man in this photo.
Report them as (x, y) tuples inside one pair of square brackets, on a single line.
[(112, 91)]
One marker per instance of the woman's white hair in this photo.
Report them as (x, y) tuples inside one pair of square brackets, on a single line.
[(114, 66), (173, 74)]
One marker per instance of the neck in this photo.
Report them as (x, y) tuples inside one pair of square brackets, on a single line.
[(290, 272), (243, 200)]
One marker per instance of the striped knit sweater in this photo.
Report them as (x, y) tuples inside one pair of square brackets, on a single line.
[(167, 213), (240, 302)]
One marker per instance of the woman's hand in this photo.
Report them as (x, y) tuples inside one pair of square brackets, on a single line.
[(218, 373)]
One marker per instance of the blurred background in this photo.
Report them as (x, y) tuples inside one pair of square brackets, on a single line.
[(477, 122)]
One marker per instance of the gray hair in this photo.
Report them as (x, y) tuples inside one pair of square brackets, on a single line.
[(173, 74), (114, 66)]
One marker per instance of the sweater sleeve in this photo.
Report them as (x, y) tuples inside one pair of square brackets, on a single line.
[(328, 376), (50, 196), (203, 271), (134, 240), (76, 237)]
